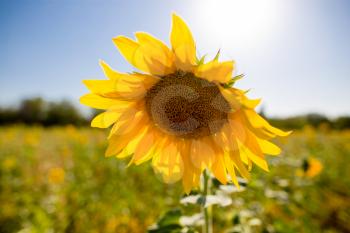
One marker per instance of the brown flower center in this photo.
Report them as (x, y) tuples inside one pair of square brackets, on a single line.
[(187, 106)]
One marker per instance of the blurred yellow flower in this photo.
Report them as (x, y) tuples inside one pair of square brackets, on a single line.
[(311, 167), (9, 163), (180, 112), (31, 139), (56, 175), (111, 224), (66, 151)]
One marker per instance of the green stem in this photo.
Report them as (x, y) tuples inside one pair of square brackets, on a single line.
[(207, 227)]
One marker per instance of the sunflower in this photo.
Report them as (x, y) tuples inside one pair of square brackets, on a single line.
[(311, 167), (180, 112)]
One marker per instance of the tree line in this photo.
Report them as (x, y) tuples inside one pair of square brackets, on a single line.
[(38, 111), (313, 119)]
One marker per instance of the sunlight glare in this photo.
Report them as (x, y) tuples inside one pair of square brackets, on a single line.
[(242, 23)]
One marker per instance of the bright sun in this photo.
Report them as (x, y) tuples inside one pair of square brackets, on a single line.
[(242, 23)]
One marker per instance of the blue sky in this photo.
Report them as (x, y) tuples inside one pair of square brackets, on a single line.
[(294, 53)]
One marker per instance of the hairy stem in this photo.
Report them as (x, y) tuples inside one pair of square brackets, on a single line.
[(207, 226)]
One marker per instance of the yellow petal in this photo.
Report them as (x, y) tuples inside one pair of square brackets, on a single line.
[(234, 130), (143, 150), (144, 57), (232, 99), (244, 157), (106, 119), (190, 176), (127, 128), (187, 180), (131, 51), (250, 103), (115, 145), (134, 78), (133, 142), (128, 88), (216, 71), (168, 163), (118, 142), (260, 123), (231, 169), (117, 89), (258, 160), (259, 132), (229, 138), (235, 157), (248, 144), (251, 143), (99, 102), (242, 98), (219, 169), (202, 154), (268, 147), (159, 57), (109, 72), (99, 86), (130, 120), (183, 44)]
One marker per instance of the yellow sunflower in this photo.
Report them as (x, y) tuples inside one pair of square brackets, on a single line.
[(179, 112), (311, 167)]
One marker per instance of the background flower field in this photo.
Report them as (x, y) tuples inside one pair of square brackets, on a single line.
[(57, 180)]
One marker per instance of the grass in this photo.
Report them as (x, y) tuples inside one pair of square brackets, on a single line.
[(58, 180)]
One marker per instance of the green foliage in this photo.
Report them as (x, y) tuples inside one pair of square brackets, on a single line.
[(32, 110), (8, 116), (342, 122), (315, 120), (171, 222), (37, 111), (168, 223), (63, 113)]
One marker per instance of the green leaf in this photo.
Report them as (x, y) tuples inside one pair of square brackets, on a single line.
[(236, 220), (233, 80), (168, 223), (200, 61), (202, 200), (172, 217), (174, 228), (216, 58)]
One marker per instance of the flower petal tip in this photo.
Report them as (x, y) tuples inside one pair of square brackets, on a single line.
[(107, 154), (286, 133), (289, 132), (174, 15), (82, 99), (101, 62)]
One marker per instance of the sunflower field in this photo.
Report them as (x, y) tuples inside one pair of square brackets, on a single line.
[(57, 180)]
